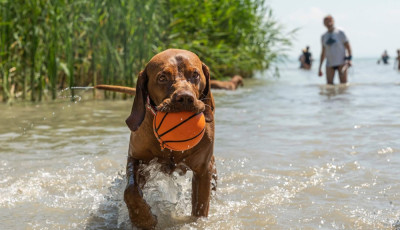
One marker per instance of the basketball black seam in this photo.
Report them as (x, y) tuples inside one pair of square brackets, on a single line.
[(162, 120), (155, 124), (176, 126), (186, 139)]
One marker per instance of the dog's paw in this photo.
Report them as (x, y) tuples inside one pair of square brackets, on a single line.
[(139, 211), (144, 223)]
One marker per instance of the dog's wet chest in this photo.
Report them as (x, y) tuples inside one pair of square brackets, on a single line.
[(170, 165)]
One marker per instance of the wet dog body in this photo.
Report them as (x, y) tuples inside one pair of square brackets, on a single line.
[(173, 81), (233, 84)]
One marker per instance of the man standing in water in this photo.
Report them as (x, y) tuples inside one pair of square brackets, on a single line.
[(385, 57), (334, 47)]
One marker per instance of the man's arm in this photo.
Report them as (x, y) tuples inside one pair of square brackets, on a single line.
[(349, 56), (321, 60)]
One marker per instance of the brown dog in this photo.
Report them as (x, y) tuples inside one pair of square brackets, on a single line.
[(233, 84), (174, 80)]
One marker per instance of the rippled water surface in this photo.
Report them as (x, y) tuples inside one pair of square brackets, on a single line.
[(291, 153)]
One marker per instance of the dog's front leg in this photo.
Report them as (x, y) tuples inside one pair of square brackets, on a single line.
[(139, 211), (201, 185)]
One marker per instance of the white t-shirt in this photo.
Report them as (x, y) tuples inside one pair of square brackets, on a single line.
[(334, 47)]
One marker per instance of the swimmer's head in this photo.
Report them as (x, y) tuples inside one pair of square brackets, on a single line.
[(328, 22)]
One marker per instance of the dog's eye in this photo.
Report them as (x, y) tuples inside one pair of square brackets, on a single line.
[(162, 79), (196, 76)]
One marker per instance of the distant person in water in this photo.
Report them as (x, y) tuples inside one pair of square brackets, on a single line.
[(306, 59), (385, 58), (334, 47), (398, 59)]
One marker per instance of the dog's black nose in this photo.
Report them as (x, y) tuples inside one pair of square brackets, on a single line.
[(184, 98)]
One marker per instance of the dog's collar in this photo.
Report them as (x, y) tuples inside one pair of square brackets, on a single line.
[(150, 107)]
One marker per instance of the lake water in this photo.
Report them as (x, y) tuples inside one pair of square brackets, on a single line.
[(291, 153)]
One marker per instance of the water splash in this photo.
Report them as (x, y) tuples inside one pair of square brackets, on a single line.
[(68, 93), (168, 195)]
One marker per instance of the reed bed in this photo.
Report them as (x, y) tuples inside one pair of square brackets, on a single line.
[(48, 45)]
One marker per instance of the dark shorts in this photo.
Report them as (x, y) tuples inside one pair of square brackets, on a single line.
[(336, 67)]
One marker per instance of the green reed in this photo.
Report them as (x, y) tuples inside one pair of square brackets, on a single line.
[(48, 45)]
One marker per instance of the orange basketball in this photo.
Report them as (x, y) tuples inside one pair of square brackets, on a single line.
[(179, 131)]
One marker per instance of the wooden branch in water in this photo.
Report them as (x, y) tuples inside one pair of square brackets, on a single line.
[(117, 88)]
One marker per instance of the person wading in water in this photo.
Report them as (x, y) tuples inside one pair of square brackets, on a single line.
[(334, 47), (306, 59)]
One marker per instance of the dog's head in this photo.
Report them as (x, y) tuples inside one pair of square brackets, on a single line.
[(174, 80), (238, 80)]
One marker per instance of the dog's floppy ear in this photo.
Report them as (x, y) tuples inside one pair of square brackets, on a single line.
[(207, 97), (138, 108)]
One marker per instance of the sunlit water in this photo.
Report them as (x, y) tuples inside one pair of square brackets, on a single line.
[(291, 154)]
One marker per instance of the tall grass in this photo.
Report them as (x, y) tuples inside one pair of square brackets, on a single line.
[(48, 45), (233, 37)]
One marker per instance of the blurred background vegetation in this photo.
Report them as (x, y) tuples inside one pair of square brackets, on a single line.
[(48, 45)]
